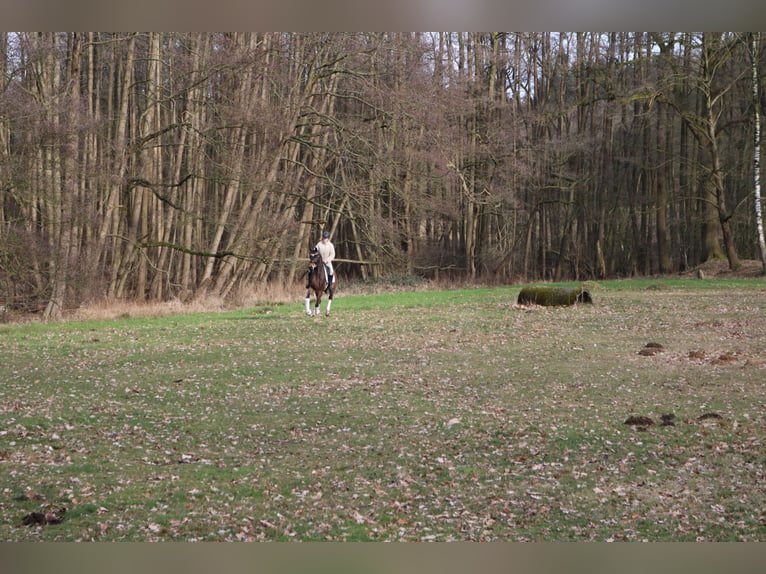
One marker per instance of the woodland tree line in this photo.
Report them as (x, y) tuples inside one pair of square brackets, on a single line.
[(152, 166)]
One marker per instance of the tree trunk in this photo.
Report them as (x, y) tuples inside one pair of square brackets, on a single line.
[(60, 179), (111, 220), (755, 51), (722, 211)]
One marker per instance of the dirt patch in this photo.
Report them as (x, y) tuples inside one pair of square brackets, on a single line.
[(720, 268)]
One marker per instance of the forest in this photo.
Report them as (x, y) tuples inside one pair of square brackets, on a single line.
[(161, 166)]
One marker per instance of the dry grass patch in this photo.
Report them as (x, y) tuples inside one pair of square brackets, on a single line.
[(257, 295)]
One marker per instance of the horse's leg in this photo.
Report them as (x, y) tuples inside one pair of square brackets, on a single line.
[(329, 303), (319, 301), (307, 300)]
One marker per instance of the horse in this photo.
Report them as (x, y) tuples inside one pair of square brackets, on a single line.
[(318, 284)]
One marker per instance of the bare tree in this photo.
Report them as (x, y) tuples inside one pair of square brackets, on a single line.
[(191, 164), (755, 52), (715, 51)]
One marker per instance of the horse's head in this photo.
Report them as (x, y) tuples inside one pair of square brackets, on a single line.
[(314, 259)]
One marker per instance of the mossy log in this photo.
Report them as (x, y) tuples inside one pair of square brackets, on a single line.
[(553, 296)]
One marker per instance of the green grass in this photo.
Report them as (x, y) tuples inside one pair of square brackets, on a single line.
[(449, 415)]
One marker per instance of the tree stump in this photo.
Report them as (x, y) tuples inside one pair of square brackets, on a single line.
[(553, 296)]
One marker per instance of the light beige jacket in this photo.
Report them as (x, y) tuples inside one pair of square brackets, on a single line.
[(327, 251)]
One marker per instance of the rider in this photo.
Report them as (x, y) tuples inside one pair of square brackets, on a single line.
[(327, 250)]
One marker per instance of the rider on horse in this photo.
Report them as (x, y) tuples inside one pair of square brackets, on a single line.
[(320, 274), (327, 250)]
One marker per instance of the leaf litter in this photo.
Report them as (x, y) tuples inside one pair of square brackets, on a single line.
[(473, 420)]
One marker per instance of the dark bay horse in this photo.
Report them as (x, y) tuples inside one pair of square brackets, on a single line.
[(318, 284)]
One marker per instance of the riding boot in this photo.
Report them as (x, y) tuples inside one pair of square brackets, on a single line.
[(329, 283)]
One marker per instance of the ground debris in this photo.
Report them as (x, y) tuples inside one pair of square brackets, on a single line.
[(668, 420), (639, 421), (44, 518), (651, 349), (709, 416)]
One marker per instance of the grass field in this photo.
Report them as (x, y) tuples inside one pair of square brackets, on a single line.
[(416, 416)]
